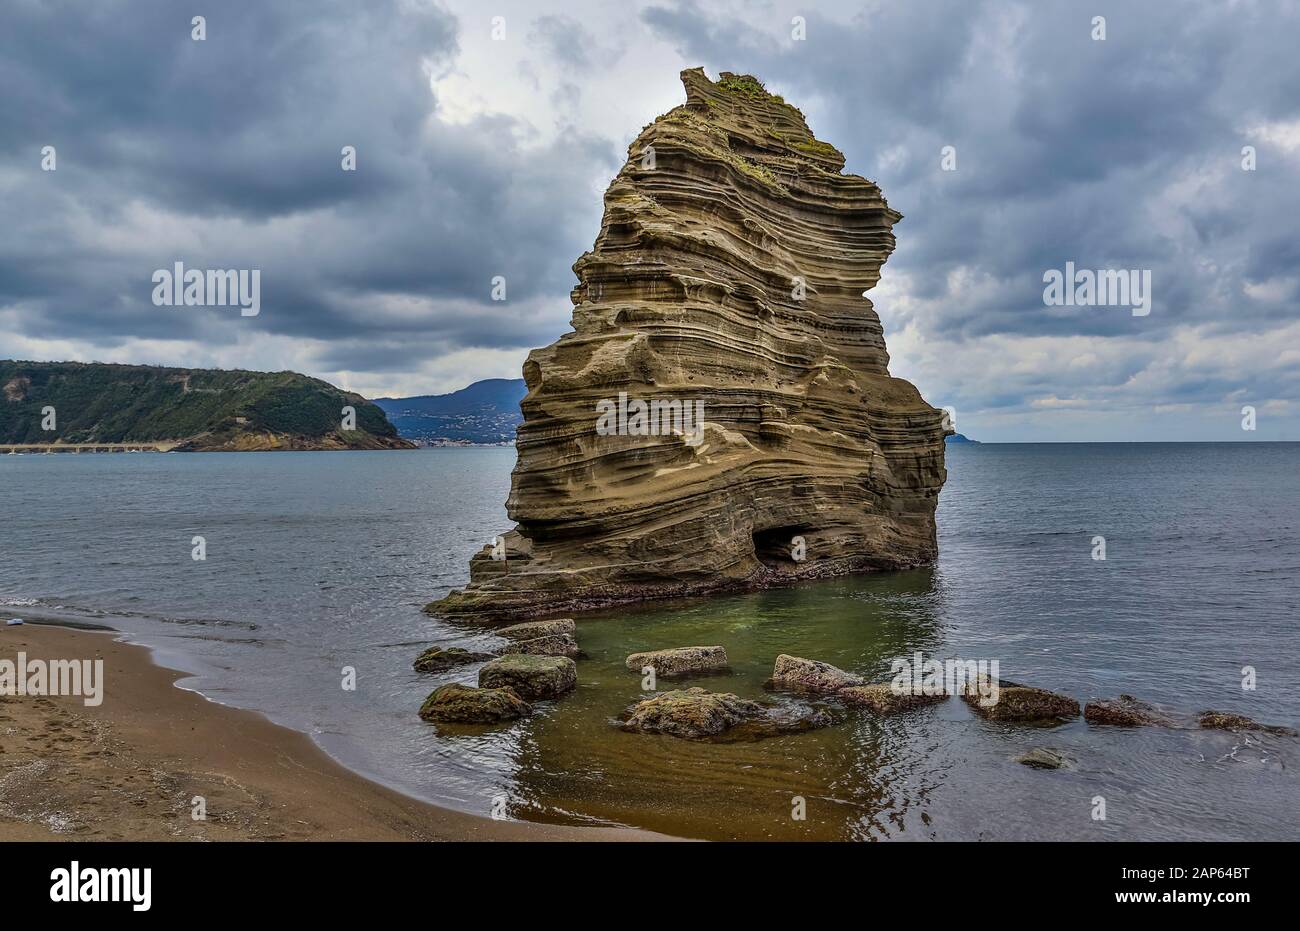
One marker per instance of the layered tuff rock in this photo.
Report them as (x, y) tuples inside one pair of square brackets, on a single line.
[(722, 415)]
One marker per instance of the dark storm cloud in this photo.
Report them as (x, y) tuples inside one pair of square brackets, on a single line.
[(226, 153), (1123, 153)]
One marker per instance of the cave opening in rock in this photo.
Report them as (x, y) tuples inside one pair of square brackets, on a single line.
[(780, 547)]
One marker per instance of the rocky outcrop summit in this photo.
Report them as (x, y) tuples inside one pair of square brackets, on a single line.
[(722, 415)]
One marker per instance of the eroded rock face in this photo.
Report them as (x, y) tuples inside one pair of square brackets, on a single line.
[(725, 292), (681, 661), (464, 704), (532, 677)]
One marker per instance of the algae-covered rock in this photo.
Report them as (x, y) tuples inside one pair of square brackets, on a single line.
[(1227, 721), (533, 677), (883, 699), (437, 659), (794, 673), (1018, 703), (552, 645), (531, 630), (681, 661), (464, 704), (1125, 711), (690, 713), (697, 714), (1044, 758)]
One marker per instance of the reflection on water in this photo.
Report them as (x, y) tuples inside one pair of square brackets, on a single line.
[(853, 777)]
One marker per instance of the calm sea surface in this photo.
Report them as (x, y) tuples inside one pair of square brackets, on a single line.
[(320, 561)]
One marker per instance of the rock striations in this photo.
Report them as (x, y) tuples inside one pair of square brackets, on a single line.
[(722, 416)]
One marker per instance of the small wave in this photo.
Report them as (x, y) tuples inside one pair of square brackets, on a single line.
[(12, 602)]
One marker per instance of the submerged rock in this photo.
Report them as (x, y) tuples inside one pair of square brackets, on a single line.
[(1125, 711), (436, 659), (1044, 758), (691, 713), (532, 677), (534, 629), (1227, 721), (552, 645), (1019, 703), (882, 699), (464, 704), (794, 673), (696, 714), (681, 661), (722, 415)]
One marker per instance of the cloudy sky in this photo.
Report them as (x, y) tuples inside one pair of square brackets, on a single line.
[(479, 157)]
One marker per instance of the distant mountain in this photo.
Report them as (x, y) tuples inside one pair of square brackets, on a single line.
[(185, 409), (961, 438), (484, 412)]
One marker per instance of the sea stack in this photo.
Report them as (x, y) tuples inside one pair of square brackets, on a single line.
[(722, 416)]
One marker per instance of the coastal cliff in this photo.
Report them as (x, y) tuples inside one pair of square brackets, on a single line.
[(722, 416), (70, 404)]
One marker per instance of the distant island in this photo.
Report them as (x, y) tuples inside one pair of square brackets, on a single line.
[(78, 406), (961, 438), (485, 413)]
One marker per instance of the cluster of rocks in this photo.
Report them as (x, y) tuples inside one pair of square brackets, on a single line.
[(698, 714), (536, 665)]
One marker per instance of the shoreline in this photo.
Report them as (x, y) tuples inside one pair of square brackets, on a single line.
[(130, 768)]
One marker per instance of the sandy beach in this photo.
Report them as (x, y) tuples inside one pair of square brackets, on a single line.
[(130, 768)]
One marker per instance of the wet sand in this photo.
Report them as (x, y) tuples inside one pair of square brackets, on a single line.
[(130, 768)]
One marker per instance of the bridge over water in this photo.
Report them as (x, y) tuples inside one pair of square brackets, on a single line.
[(159, 447)]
